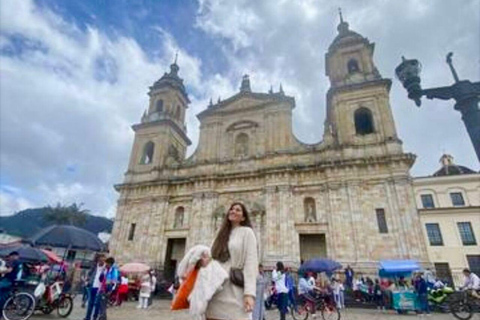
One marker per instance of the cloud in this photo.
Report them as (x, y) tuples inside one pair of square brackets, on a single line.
[(69, 95), (288, 40), (12, 201)]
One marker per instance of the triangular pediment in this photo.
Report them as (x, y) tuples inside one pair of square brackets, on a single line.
[(246, 101)]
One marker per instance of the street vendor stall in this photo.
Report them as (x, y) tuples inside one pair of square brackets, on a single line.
[(403, 296)]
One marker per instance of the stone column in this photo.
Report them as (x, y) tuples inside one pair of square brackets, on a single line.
[(116, 242), (271, 216), (197, 222)]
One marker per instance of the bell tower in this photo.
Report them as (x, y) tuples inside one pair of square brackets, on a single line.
[(160, 137), (358, 107)]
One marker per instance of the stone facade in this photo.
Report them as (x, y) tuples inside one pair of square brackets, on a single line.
[(353, 189), (452, 254)]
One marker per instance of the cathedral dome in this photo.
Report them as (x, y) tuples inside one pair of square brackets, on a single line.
[(449, 168), (346, 37), (171, 80)]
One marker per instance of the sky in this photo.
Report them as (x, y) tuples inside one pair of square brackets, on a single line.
[(74, 77)]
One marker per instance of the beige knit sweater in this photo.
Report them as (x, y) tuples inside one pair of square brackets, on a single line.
[(227, 304)]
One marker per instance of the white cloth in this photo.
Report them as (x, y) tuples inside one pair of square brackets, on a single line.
[(472, 282), (96, 280), (311, 281), (279, 279), (209, 280), (190, 259), (124, 280)]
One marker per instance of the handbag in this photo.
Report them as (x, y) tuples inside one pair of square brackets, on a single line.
[(236, 277)]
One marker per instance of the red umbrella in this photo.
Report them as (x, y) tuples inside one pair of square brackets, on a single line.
[(134, 267), (52, 256)]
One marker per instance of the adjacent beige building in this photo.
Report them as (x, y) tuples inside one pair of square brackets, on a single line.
[(348, 197), (449, 207)]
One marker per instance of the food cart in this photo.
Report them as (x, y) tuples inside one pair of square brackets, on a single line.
[(404, 298)]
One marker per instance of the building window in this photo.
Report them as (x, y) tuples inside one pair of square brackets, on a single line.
[(353, 66), (131, 233), (466, 233), (147, 155), (434, 234), (177, 113), (474, 263), (159, 106), (363, 121), (241, 145), (457, 199), (427, 201), (381, 221)]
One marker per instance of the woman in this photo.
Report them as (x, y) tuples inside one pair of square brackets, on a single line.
[(278, 275), (259, 311), (235, 247)]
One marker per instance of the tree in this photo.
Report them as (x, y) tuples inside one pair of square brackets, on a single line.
[(72, 214)]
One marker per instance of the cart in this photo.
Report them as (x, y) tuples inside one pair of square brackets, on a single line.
[(403, 299)]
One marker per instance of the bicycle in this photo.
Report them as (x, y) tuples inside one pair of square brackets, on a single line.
[(19, 305), (327, 309), (463, 307)]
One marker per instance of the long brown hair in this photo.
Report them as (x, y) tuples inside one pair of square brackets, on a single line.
[(220, 245)]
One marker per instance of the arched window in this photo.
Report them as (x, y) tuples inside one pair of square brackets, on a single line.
[(147, 155), (241, 145), (353, 66), (363, 121), (310, 210), (179, 215), (177, 113), (159, 106)]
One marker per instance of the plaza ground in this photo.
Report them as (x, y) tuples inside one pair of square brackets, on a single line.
[(160, 310)]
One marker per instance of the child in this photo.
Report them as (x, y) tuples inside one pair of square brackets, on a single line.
[(145, 291), (338, 288)]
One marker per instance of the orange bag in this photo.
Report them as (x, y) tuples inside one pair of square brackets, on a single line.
[(180, 300)]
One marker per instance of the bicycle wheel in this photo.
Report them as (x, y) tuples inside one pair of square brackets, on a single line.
[(330, 313), (301, 313), (461, 310), (65, 306), (20, 306)]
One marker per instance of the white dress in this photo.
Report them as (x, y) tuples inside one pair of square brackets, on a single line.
[(227, 303)]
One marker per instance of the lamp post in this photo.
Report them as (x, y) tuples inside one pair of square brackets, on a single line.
[(465, 93)]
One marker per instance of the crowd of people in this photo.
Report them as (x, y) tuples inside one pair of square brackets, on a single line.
[(235, 248), (104, 284)]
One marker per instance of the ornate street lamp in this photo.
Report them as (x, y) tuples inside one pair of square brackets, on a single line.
[(465, 93)]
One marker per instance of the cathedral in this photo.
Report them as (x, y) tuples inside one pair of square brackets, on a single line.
[(349, 197)]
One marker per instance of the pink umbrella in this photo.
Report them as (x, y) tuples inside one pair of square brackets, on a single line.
[(134, 267), (52, 256)]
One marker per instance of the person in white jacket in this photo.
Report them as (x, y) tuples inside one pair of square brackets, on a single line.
[(278, 276)]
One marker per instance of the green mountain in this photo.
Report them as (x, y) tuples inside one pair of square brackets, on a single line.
[(28, 222)]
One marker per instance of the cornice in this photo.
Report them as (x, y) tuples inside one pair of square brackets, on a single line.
[(269, 99), (357, 86), (450, 210), (292, 168), (160, 122)]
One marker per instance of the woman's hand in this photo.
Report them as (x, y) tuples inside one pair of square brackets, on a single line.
[(205, 259), (248, 303)]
